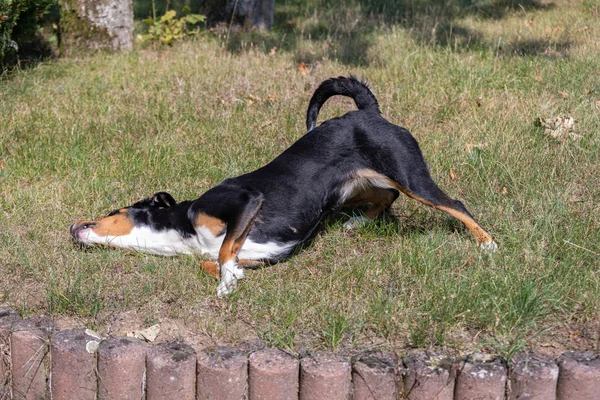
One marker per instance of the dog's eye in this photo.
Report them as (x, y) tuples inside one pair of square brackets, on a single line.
[(85, 226)]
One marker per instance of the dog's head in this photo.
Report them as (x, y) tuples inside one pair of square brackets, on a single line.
[(127, 227)]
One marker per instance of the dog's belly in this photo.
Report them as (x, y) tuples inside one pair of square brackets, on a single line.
[(265, 251)]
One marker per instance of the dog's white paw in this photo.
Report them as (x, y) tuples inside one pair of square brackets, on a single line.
[(225, 289), (356, 222), (490, 247), (239, 273), (230, 273)]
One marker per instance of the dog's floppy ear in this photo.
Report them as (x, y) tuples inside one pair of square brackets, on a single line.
[(162, 199)]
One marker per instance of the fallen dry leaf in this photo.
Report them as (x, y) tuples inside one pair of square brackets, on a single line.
[(564, 95), (452, 174), (471, 146), (559, 127), (597, 103), (538, 78), (504, 190), (529, 23), (149, 334), (253, 97), (302, 68)]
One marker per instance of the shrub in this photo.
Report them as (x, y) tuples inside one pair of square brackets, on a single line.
[(167, 28), (20, 28)]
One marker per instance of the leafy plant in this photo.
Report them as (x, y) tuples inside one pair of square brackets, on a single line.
[(19, 26), (167, 28)]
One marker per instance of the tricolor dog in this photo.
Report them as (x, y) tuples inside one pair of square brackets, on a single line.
[(262, 216)]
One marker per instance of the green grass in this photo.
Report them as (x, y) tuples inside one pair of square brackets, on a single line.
[(81, 137)]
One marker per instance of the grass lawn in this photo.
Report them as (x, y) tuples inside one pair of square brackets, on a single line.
[(81, 137)]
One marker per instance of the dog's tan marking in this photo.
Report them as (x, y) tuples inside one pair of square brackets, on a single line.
[(380, 199), (245, 263), (213, 224), (480, 234), (373, 177), (114, 225), (360, 183), (211, 268), (357, 185), (236, 235), (231, 247), (370, 174), (226, 252)]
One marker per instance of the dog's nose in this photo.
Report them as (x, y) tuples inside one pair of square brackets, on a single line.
[(74, 229), (78, 226)]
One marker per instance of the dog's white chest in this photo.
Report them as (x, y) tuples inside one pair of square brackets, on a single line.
[(207, 243)]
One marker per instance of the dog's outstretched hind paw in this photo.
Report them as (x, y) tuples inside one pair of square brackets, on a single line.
[(490, 247)]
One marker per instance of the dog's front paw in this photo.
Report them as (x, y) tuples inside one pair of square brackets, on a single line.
[(489, 247), (225, 289), (356, 222), (230, 273)]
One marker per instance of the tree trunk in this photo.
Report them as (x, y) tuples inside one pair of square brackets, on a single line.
[(262, 15), (95, 24), (258, 13)]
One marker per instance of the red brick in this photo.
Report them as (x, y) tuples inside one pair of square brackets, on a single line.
[(325, 376), (8, 317), (375, 376), (579, 376), (429, 376), (171, 372), (273, 375), (481, 377), (222, 374), (29, 350), (532, 376), (121, 368), (74, 364)]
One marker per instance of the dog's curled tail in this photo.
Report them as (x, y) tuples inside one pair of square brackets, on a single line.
[(344, 86)]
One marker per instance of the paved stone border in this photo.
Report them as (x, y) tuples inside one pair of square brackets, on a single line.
[(37, 361)]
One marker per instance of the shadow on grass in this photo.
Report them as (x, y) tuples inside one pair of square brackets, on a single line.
[(388, 224), (343, 29)]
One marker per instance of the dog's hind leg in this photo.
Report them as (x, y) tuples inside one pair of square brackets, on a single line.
[(419, 186), (426, 191)]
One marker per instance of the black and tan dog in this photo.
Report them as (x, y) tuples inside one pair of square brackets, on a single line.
[(264, 215)]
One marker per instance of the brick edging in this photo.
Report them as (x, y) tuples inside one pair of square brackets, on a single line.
[(37, 361)]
